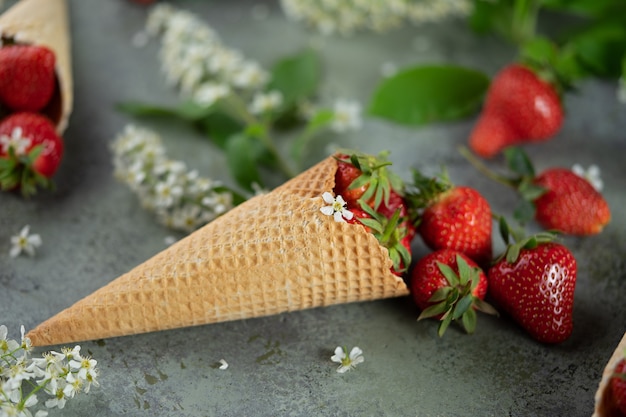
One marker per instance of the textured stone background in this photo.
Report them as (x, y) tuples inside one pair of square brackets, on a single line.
[(94, 229)]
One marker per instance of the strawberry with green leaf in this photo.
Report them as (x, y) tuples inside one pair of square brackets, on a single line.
[(30, 152), (534, 282), (390, 233), (451, 217), (365, 177), (557, 198), (448, 286)]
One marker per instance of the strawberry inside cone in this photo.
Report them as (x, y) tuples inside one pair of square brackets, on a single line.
[(373, 194)]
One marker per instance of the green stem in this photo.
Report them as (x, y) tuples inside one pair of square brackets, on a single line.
[(524, 20), (483, 169)]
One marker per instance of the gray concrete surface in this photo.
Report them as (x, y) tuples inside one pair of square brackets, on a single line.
[(94, 229)]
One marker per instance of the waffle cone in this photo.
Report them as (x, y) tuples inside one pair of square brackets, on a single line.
[(605, 404), (45, 23), (272, 254)]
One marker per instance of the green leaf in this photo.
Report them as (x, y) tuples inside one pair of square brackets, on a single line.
[(462, 306), (218, 127), (296, 76), (469, 319), (426, 94), (242, 162), (591, 8), (492, 16), (518, 161), (601, 47)]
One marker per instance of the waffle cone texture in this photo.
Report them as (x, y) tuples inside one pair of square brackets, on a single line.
[(604, 402), (45, 23), (274, 253)]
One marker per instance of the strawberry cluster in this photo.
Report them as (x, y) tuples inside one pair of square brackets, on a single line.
[(30, 148), (533, 280), (374, 195)]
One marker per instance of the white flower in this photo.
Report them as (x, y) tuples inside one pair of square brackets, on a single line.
[(24, 242), (336, 207), (223, 364), (6, 345), (347, 116), (250, 75), (346, 361), (266, 102), (16, 141), (209, 93), (591, 174)]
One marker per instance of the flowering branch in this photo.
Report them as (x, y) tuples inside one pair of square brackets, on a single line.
[(60, 375), (237, 103)]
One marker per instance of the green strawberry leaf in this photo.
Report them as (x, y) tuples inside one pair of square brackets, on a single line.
[(518, 161), (296, 76), (524, 212), (426, 94), (462, 306), (468, 320), (242, 161)]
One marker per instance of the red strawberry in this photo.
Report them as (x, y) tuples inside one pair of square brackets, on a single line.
[(360, 177), (359, 214), (534, 282), (346, 174), (27, 77), (30, 152), (519, 107), (449, 286), (570, 203), (558, 198), (452, 217), (618, 386)]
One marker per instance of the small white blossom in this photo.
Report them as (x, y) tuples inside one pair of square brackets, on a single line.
[(336, 207), (17, 142), (50, 375), (209, 93), (347, 116), (349, 16), (24, 242), (346, 361), (266, 102), (223, 364), (591, 174), (181, 198)]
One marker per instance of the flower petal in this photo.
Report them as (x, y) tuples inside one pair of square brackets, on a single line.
[(328, 198)]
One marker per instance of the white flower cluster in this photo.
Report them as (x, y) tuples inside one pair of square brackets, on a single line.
[(60, 375), (194, 59), (349, 16), (181, 199)]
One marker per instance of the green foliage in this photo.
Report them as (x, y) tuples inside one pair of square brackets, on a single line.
[(297, 76), (247, 139), (426, 94)]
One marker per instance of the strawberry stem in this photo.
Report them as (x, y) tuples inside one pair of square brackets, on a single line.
[(483, 169)]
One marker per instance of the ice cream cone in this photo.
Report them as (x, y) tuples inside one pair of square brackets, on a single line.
[(272, 254), (605, 404), (45, 22)]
